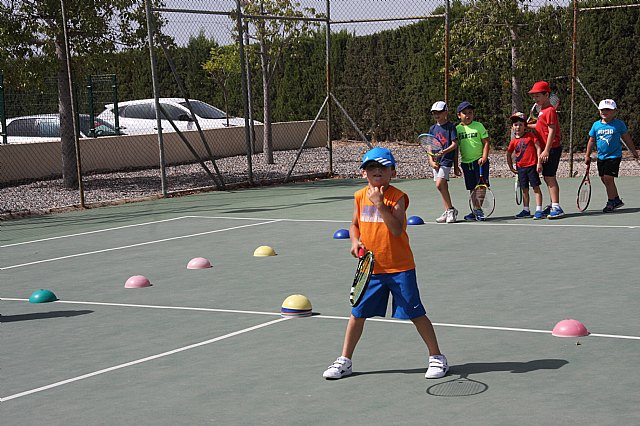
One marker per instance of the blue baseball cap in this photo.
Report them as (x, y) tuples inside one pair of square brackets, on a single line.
[(380, 155), (463, 105)]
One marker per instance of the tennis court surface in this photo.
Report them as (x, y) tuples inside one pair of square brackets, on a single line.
[(209, 346)]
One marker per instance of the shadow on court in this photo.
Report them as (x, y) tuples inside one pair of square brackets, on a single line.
[(42, 315)]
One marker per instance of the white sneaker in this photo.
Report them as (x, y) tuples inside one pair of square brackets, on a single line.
[(443, 217), (341, 367), (438, 367), (452, 215)]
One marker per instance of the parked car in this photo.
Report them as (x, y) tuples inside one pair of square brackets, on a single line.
[(46, 127), (139, 116)]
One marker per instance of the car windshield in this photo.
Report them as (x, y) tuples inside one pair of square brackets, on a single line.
[(204, 110), (100, 127)]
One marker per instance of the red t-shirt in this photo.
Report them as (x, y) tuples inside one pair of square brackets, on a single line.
[(525, 149), (548, 116)]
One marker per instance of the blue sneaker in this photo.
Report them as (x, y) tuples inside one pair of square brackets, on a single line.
[(539, 214), (546, 210), (523, 214), (479, 214), (556, 213), (617, 203), (609, 207), (470, 217)]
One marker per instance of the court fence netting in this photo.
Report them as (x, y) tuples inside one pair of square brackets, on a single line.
[(110, 103)]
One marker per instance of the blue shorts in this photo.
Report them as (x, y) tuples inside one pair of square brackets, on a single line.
[(528, 176), (406, 302), (472, 174)]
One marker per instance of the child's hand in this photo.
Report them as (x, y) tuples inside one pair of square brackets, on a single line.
[(457, 171), (539, 168), (376, 196), (587, 159)]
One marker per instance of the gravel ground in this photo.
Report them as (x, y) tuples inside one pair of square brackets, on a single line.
[(115, 188)]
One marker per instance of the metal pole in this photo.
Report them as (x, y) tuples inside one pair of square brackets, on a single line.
[(328, 76), (446, 51), (156, 95), (73, 106), (3, 115), (245, 93), (574, 72)]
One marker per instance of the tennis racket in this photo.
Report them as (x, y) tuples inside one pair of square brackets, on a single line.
[(431, 146), (363, 276), (554, 100), (518, 190), (482, 198), (584, 191)]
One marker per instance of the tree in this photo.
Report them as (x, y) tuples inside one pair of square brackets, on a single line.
[(274, 38), (222, 65), (30, 28)]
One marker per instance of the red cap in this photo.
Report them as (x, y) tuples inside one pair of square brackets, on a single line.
[(540, 87)]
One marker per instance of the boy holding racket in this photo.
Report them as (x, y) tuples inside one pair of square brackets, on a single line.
[(526, 147), (606, 134), (547, 127), (473, 141), (445, 132), (379, 224)]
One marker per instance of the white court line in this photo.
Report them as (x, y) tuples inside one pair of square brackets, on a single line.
[(139, 361), (134, 245), (460, 223), (186, 308), (94, 232)]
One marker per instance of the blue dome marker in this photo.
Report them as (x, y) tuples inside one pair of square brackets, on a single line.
[(341, 234), (415, 220), (42, 296)]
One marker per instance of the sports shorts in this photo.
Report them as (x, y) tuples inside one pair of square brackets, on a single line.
[(609, 167), (403, 286), (472, 174), (550, 168), (528, 176), (442, 173)]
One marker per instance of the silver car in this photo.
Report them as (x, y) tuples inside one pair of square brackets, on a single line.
[(139, 116), (46, 127)]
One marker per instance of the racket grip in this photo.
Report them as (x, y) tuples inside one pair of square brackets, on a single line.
[(361, 252)]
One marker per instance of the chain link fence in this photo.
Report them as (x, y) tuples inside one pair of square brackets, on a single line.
[(254, 92)]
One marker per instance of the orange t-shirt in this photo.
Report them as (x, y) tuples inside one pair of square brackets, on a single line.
[(392, 254)]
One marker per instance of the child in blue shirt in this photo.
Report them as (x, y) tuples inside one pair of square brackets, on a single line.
[(608, 134)]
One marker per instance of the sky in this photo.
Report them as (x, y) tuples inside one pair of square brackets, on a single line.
[(182, 26)]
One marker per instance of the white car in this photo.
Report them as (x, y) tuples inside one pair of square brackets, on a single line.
[(139, 116), (46, 127)]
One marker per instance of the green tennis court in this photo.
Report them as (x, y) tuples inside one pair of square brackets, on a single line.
[(209, 346)]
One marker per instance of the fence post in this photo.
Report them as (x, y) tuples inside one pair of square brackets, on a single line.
[(92, 116), (114, 93), (3, 115)]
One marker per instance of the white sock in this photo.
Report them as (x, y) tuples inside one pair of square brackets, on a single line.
[(538, 208), (526, 209), (555, 205)]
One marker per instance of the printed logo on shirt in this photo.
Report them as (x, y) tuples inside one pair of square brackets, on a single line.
[(370, 214)]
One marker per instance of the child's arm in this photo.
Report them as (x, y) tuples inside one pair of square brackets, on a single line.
[(538, 152), (629, 143), (354, 231), (485, 151), (510, 161), (552, 134), (393, 217), (587, 153)]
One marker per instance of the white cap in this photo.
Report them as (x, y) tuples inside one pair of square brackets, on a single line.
[(607, 104), (439, 106)]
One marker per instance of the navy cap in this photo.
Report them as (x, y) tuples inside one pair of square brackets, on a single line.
[(380, 155), (463, 105)]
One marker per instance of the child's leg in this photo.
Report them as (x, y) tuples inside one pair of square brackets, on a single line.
[(554, 189), (443, 187), (525, 197), (610, 185), (428, 334), (352, 335), (538, 194)]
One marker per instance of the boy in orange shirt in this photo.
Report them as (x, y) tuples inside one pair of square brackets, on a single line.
[(379, 224)]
